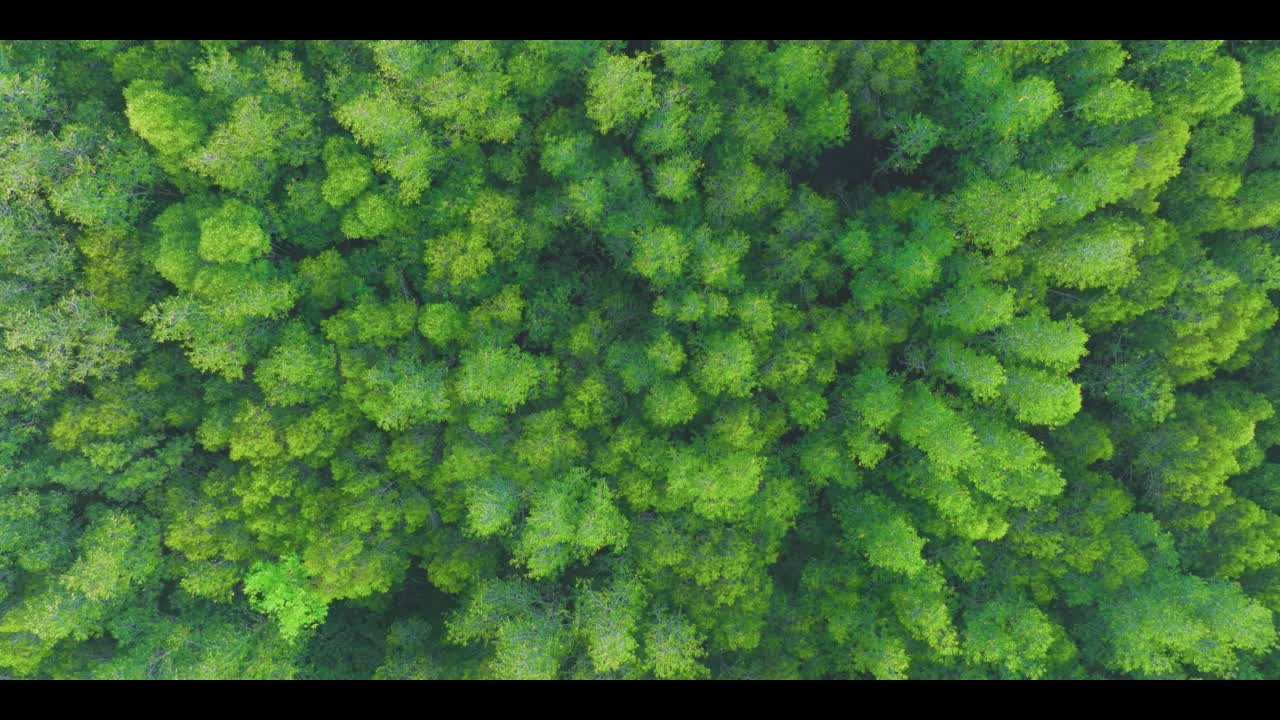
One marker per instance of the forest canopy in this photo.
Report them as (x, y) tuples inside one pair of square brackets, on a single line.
[(649, 359)]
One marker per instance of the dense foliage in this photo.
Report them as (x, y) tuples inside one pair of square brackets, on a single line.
[(654, 359)]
